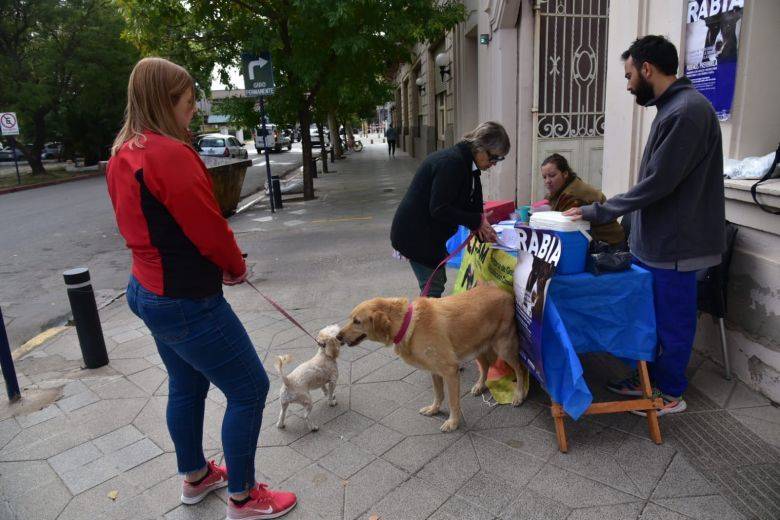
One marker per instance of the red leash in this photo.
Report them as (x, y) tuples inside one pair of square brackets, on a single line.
[(282, 311), (449, 257)]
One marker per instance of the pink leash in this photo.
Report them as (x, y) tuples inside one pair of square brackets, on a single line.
[(282, 311), (449, 257)]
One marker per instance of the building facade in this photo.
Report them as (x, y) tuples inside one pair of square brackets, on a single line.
[(550, 72)]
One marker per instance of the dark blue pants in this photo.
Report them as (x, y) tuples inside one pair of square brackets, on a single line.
[(423, 273), (674, 299), (202, 341)]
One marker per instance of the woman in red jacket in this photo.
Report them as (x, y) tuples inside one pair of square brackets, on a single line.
[(183, 251)]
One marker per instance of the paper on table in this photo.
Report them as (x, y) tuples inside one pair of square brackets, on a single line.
[(508, 237)]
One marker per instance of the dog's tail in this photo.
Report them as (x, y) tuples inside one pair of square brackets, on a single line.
[(280, 362)]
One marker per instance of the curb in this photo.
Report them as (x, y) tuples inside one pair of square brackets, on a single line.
[(14, 189), (253, 198)]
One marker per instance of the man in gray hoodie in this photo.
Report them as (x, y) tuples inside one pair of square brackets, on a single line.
[(677, 208)]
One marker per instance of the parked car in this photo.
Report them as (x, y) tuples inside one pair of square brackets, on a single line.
[(315, 135), (52, 150), (221, 145), (276, 138), (7, 153)]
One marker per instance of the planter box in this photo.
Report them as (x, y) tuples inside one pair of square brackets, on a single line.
[(227, 176)]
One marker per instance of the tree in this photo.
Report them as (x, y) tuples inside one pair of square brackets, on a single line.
[(65, 67), (311, 41)]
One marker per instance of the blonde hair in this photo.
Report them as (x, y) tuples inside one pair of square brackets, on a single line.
[(154, 88)]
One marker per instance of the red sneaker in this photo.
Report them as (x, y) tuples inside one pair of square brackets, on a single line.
[(262, 504), (216, 479)]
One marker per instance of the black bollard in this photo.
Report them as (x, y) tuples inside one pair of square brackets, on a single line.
[(277, 191), (7, 364), (313, 168), (85, 315)]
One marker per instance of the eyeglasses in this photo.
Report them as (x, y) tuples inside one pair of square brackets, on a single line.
[(495, 158)]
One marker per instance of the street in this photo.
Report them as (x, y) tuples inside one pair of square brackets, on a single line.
[(51, 229)]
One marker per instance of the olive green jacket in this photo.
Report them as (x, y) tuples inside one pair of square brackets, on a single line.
[(578, 193)]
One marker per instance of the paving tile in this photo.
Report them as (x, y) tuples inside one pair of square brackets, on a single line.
[(159, 499), (370, 485), (712, 507), (412, 500), (489, 491), (709, 380), (273, 436), (367, 364), (348, 425), (411, 422), (377, 439), (211, 508), (41, 503), (764, 426), (455, 508), (279, 463), (320, 490), (745, 397), (18, 478), (412, 453), (371, 405), (74, 402), (752, 490), (509, 416), (50, 412), (396, 370), (118, 439), (119, 388), (527, 439), (130, 366), (681, 479), (346, 460), (315, 445), (528, 505), (8, 430), (148, 380), (43, 440), (616, 512), (498, 459), (74, 388), (75, 458), (6, 511), (574, 490), (656, 512), (90, 475), (134, 455), (153, 471), (453, 467), (124, 337)]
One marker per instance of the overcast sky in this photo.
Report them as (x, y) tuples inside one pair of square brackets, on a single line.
[(235, 78)]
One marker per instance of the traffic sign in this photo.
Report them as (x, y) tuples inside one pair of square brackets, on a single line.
[(9, 125), (258, 74)]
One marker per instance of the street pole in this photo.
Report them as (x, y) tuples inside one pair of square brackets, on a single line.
[(7, 365), (16, 162), (267, 158), (86, 317)]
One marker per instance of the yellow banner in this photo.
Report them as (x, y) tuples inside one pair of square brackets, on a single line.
[(483, 263)]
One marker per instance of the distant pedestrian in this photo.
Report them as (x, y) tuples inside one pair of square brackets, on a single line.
[(446, 192), (392, 136), (183, 251)]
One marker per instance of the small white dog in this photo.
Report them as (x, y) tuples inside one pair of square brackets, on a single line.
[(321, 371)]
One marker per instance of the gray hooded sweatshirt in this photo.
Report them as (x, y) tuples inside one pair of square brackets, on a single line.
[(678, 202)]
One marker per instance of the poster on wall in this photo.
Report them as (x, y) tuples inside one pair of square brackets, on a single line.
[(711, 48), (537, 257)]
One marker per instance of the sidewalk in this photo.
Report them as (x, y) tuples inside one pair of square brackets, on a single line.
[(101, 432)]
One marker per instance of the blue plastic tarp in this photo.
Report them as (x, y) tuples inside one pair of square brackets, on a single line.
[(585, 313)]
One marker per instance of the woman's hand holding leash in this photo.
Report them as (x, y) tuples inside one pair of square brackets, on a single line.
[(485, 232), (229, 279)]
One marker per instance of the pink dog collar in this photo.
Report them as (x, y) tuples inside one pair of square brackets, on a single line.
[(404, 326)]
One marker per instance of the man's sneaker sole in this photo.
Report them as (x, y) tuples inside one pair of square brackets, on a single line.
[(198, 498), (625, 391), (680, 407), (266, 516)]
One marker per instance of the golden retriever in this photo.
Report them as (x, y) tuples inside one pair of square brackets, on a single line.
[(443, 333)]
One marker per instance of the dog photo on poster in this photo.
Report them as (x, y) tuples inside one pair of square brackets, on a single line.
[(711, 48), (537, 257)]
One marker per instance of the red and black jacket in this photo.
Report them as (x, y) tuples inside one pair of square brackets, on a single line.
[(166, 212)]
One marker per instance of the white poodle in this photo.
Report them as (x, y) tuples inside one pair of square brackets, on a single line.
[(321, 371)]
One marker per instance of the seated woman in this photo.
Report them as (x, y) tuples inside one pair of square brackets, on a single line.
[(565, 190)]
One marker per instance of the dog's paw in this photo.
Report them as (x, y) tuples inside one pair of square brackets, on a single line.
[(478, 389), (314, 427), (517, 399), (429, 410), (333, 403), (450, 425), (280, 425)]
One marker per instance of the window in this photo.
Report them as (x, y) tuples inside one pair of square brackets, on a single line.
[(212, 143), (441, 114)]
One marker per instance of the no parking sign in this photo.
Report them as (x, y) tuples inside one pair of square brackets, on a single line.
[(9, 125)]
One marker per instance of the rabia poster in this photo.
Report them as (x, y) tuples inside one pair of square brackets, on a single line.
[(537, 257), (711, 49)]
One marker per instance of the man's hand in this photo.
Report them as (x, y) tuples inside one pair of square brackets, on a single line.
[(573, 213), (229, 279)]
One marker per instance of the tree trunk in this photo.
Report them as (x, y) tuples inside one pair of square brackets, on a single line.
[(304, 116), (323, 150), (33, 154), (334, 135)]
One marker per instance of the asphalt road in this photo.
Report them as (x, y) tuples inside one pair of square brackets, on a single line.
[(48, 230)]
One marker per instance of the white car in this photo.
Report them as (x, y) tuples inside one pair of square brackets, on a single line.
[(276, 138), (221, 145), (315, 135)]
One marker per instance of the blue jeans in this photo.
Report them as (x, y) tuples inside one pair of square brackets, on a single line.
[(674, 299), (202, 341), (423, 273)]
